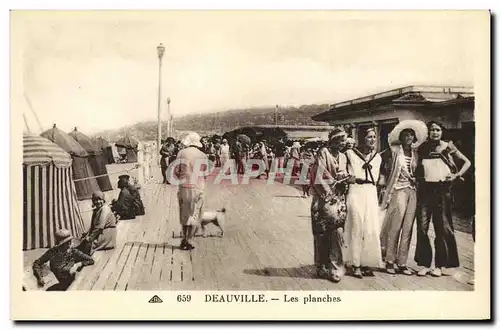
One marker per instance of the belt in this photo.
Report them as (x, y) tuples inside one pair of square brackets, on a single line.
[(360, 181)]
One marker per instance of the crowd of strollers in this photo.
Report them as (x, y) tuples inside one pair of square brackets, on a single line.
[(279, 151), (364, 201)]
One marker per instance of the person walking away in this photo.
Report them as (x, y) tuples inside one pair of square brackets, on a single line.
[(243, 156), (400, 195), (327, 172), (280, 155), (225, 154), (362, 228), (436, 173), (102, 233), (262, 154), (307, 160), (164, 160), (63, 260), (192, 187), (211, 151), (124, 206), (295, 157), (217, 146)]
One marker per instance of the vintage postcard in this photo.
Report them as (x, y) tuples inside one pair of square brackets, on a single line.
[(250, 165)]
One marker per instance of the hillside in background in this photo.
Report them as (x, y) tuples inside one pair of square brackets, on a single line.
[(221, 122)]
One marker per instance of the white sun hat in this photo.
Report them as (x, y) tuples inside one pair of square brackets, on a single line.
[(192, 139), (417, 126)]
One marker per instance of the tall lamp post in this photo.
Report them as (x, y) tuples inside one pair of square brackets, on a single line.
[(276, 115), (169, 132), (172, 125), (161, 51)]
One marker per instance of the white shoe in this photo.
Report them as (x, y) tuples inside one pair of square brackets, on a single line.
[(447, 271), (436, 272), (423, 272)]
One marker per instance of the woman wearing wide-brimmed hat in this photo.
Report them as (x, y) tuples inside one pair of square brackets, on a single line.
[(62, 259), (400, 197), (436, 173), (191, 172)]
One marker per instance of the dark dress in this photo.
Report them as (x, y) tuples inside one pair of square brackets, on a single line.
[(165, 153), (124, 206), (138, 204)]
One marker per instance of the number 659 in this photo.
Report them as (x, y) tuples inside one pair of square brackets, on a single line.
[(184, 298)]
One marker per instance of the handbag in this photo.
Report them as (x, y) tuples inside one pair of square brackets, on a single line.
[(334, 211)]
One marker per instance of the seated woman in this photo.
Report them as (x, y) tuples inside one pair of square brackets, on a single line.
[(102, 232), (62, 260), (134, 191), (124, 206), (138, 204)]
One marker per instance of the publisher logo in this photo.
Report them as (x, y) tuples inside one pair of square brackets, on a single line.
[(155, 300)]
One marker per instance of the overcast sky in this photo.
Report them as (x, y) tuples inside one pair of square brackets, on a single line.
[(100, 71)]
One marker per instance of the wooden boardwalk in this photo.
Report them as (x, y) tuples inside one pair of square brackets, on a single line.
[(267, 245)]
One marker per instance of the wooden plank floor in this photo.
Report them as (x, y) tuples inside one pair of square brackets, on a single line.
[(267, 245)]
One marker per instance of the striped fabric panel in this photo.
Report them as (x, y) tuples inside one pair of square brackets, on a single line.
[(57, 199), (49, 203), (43, 201), (25, 208), (68, 220), (35, 199), (80, 227), (73, 212)]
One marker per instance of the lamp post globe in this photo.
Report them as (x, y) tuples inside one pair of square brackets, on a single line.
[(161, 50)]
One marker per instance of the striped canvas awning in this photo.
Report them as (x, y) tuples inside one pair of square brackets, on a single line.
[(41, 151)]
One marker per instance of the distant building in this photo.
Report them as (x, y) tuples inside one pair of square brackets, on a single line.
[(453, 106), (302, 132)]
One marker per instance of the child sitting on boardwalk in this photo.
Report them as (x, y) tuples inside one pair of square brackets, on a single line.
[(62, 259)]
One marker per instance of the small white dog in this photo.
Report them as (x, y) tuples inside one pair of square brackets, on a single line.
[(217, 218)]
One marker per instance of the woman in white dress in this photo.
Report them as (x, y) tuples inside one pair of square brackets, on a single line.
[(224, 154), (362, 228)]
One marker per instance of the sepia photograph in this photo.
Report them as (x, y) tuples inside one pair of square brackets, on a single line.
[(250, 158)]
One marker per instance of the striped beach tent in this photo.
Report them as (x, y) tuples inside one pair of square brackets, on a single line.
[(49, 196), (97, 159), (83, 175)]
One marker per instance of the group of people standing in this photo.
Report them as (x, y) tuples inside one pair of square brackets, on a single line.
[(353, 227)]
